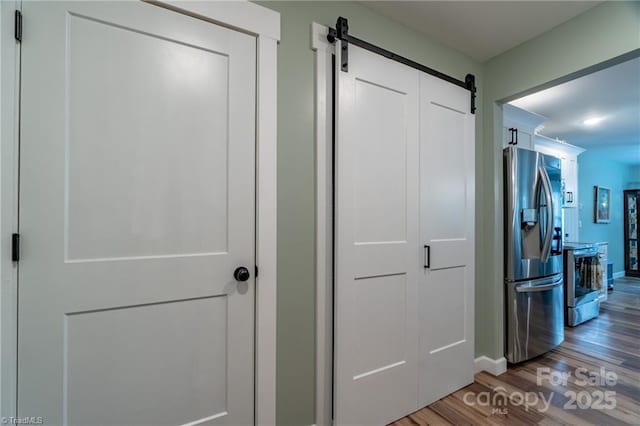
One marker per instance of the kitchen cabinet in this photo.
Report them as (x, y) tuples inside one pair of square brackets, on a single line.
[(519, 127), (570, 225), (569, 164), (568, 155), (603, 249)]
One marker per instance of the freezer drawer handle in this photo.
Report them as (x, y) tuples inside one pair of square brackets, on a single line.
[(535, 288)]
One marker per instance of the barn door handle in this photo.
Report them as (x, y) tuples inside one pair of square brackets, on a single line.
[(427, 253)]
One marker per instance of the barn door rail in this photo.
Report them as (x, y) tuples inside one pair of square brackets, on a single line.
[(341, 32)]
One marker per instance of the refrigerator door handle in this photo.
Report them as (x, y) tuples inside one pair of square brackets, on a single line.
[(546, 186), (536, 288)]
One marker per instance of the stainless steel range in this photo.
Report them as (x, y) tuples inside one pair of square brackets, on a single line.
[(582, 275)]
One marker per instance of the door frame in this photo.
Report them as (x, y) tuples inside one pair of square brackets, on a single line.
[(324, 109), (242, 16)]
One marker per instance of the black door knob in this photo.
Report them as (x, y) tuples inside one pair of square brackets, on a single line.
[(241, 274)]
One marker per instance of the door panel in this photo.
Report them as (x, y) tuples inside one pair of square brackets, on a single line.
[(136, 205), (133, 69), (380, 166), (147, 342), (447, 227), (447, 330), (376, 241), (381, 340)]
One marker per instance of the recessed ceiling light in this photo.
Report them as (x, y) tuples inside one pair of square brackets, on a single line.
[(592, 121)]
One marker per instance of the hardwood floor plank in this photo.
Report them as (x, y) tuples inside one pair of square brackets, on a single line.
[(406, 421), (457, 413), (427, 416), (610, 341)]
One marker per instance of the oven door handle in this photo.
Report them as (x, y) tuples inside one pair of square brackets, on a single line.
[(536, 288)]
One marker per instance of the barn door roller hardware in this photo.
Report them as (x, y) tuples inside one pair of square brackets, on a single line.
[(341, 32)]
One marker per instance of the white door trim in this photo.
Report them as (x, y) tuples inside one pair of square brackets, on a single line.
[(241, 15), (324, 225), (9, 64)]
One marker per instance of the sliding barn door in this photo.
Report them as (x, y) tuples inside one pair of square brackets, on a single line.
[(404, 224), (447, 232), (136, 207), (376, 241)]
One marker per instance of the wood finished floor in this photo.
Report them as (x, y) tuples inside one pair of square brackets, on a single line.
[(611, 341)]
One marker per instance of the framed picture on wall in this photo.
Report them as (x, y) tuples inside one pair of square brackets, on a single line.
[(602, 204)]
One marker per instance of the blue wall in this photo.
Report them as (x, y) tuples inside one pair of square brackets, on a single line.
[(595, 168), (633, 182)]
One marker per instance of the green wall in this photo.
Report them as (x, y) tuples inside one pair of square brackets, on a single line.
[(634, 178), (296, 177), (588, 42)]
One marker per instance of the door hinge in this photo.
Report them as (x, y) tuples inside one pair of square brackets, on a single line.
[(15, 247), (17, 20), (256, 271)]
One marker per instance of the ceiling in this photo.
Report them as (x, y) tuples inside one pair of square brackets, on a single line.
[(481, 29), (484, 29), (612, 94)]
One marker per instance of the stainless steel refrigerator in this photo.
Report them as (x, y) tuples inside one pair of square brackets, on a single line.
[(534, 301)]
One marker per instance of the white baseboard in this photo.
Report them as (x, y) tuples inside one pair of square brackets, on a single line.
[(618, 274), (491, 366)]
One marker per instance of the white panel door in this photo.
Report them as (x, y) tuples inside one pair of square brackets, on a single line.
[(376, 241), (447, 229), (136, 206)]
